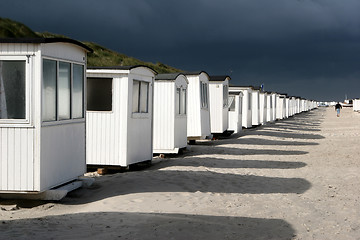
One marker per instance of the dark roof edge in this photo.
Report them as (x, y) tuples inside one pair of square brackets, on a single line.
[(168, 76), (45, 40), (219, 78)]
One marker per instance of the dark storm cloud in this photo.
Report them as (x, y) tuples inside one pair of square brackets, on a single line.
[(304, 47)]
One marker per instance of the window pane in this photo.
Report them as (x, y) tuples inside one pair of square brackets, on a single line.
[(240, 105), (144, 90), (225, 96), (49, 90), (232, 103), (183, 102), (64, 91), (135, 96), (177, 101), (12, 89), (99, 94), (249, 101), (78, 92), (206, 95)]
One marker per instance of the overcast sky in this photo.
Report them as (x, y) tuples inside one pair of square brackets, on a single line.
[(308, 48)]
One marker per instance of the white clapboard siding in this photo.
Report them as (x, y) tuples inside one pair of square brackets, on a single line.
[(263, 110), (104, 144), (218, 114), (17, 159), (198, 118), (255, 107), (356, 105), (269, 108), (164, 115), (235, 116), (17, 49), (63, 156), (193, 120)]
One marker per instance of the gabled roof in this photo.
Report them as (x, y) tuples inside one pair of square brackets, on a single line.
[(219, 78), (45, 40)]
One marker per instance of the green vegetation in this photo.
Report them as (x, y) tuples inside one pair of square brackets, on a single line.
[(12, 29), (101, 57)]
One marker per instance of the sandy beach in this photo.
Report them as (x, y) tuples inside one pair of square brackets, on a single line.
[(292, 179)]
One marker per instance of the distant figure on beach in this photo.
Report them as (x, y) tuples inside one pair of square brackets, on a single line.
[(337, 108)]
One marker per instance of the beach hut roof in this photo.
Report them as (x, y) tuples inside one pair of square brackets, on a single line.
[(235, 93), (45, 40), (238, 86), (196, 73), (121, 68), (169, 76), (219, 78)]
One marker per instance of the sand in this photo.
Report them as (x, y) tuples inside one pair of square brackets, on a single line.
[(293, 179)]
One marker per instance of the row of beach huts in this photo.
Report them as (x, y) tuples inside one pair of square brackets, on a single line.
[(58, 116)]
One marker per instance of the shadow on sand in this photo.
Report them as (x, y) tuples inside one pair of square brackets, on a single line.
[(255, 141), (195, 151), (207, 181), (228, 163), (120, 225)]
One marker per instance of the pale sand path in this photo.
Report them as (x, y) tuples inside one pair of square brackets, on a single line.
[(292, 179)]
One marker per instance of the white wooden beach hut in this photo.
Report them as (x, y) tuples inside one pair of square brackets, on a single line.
[(356, 105), (255, 106), (246, 104), (170, 113), (280, 106), (269, 107), (235, 111), (119, 122), (219, 97), (274, 97), (263, 107), (287, 107), (198, 117), (297, 105), (42, 117)]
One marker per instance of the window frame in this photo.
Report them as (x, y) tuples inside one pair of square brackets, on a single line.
[(57, 121), (112, 94), (204, 93), (230, 108), (180, 104), (140, 114), (27, 121), (226, 96)]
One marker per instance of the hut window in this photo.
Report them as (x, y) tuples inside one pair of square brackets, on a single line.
[(12, 90), (99, 94), (78, 91), (140, 96), (225, 96), (63, 90), (177, 100), (183, 102), (240, 106), (249, 101), (232, 103), (204, 95), (180, 101), (49, 90)]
